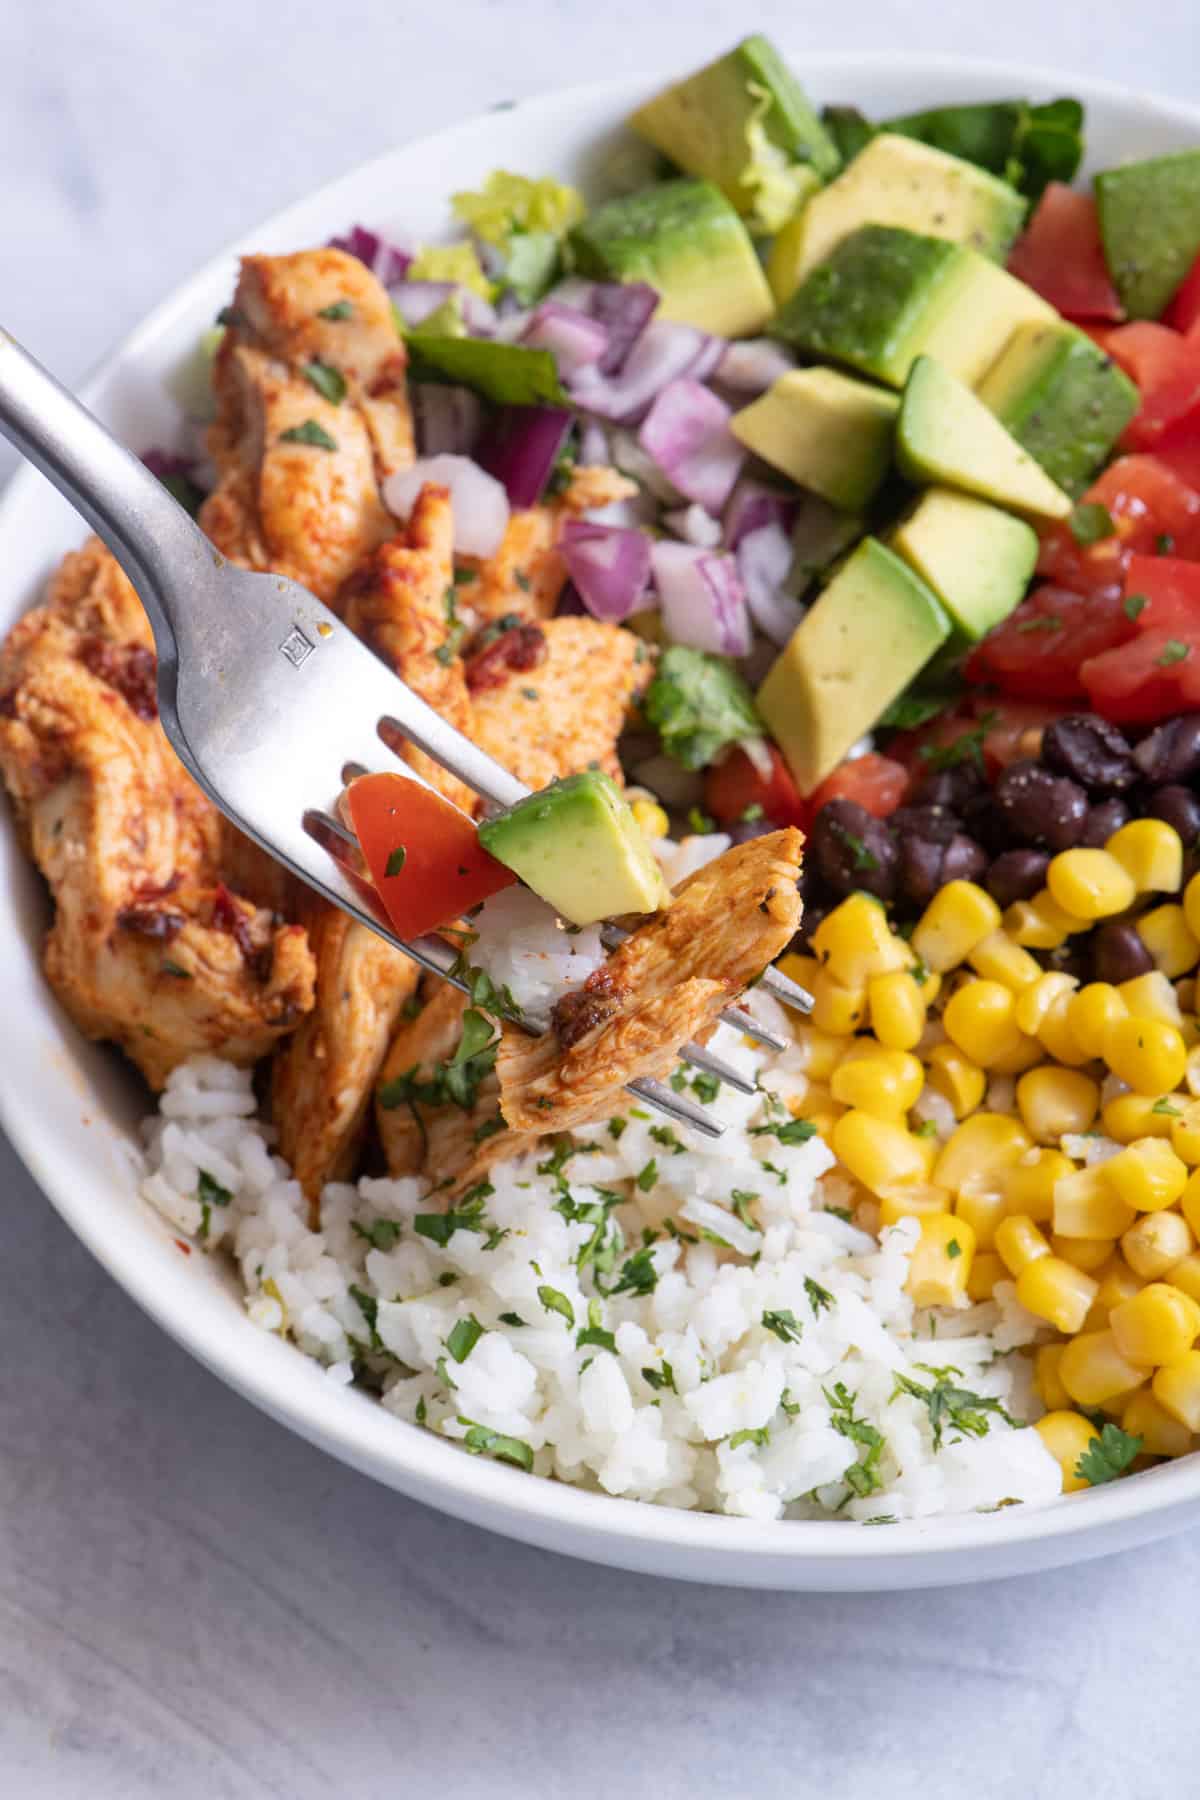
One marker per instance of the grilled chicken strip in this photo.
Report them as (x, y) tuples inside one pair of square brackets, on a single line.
[(148, 948), (525, 576)]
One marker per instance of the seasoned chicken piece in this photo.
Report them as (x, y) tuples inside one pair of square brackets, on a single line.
[(525, 576), (665, 985), (148, 947), (400, 602), (323, 1077), (595, 484), (551, 699), (417, 1047), (312, 416)]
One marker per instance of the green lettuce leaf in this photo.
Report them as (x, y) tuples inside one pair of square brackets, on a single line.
[(699, 705)]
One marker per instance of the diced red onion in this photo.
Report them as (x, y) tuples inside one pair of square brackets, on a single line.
[(753, 365), (609, 566), (447, 419), (388, 261), (624, 309), (522, 447), (694, 526), (479, 501), (764, 558), (701, 598), (708, 359), (479, 315), (416, 300), (664, 352), (575, 340), (687, 433), (751, 505)]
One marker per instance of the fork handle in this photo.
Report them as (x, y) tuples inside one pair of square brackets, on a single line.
[(150, 534)]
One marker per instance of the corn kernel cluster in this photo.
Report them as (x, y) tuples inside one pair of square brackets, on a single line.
[(1103, 1246)]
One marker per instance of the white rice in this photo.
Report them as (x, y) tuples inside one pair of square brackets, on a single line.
[(717, 1378)]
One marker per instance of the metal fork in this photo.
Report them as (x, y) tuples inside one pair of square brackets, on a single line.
[(267, 699)]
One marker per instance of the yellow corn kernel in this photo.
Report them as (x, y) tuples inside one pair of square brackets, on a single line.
[(1090, 1013), (981, 1019), (980, 1146), (913, 1200), (1147, 1174), (1151, 854), (801, 969), (981, 1202), (1151, 996), (1053, 1101), (1189, 1202), (1117, 1283), (1184, 1116), (1019, 1242), (940, 1265), (855, 941), (1169, 939), (1035, 1001), (1156, 1325), (836, 1009), (999, 958), (1091, 884), (1047, 1382), (959, 916), (1155, 1243), (1146, 1054), (1191, 905), (1086, 1206), (1129, 1116), (1024, 1054), (1093, 1370), (956, 1078), (1066, 1436), (1162, 1434), (1088, 1254), (897, 1007), (1029, 1186), (652, 820), (1177, 1389), (820, 1053), (985, 1271), (1186, 1274), (1056, 1037), (1056, 1291), (882, 1082), (879, 1152)]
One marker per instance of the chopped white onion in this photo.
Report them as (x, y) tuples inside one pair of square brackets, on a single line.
[(764, 559), (701, 598), (694, 526), (687, 433), (479, 501), (753, 365)]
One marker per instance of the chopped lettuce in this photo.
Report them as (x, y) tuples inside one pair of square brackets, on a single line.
[(532, 264), (507, 374), (850, 130), (451, 262), (779, 185), (699, 705), (445, 320), (508, 203)]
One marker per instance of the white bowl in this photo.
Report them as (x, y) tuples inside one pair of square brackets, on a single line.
[(70, 1107)]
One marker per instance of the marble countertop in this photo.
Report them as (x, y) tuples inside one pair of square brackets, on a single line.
[(195, 1602)]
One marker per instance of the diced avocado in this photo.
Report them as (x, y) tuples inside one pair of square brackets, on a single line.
[(885, 296), (976, 558), (826, 430), (685, 239), (1150, 228), (898, 181), (946, 434), (820, 536), (1063, 400), (578, 845), (745, 123), (857, 647), (1028, 145)]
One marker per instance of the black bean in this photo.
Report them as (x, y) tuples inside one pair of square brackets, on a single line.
[(937, 823), (949, 787), (919, 872), (964, 859), (1171, 752), (984, 821), (1118, 953), (850, 849), (1017, 875), (1180, 809), (1091, 751), (1103, 819), (1040, 807)]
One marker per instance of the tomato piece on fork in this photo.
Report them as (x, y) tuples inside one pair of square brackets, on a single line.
[(426, 862)]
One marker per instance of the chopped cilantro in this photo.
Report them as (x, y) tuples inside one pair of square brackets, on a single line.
[(1164, 544), (819, 1298), (329, 382), (742, 1202), (207, 1189), (616, 1128), (949, 1405), (1090, 522), (1174, 651), (422, 1411), (638, 1274), (556, 1302), (968, 747), (926, 1129), (309, 433), (706, 1087), (840, 1212), (1134, 605), (381, 1234), (661, 1378), (464, 1337), (793, 1131), (594, 1332), (663, 1134), (863, 858), (1168, 1107), (882, 1519), (785, 1325), (396, 860), (758, 1436), (482, 1442), (173, 968), (511, 1318), (439, 1228), (368, 1306), (1044, 622), (205, 1220), (700, 822), (863, 1476), (648, 1176), (1107, 1456), (699, 704), (752, 814), (953, 1249), (341, 309)]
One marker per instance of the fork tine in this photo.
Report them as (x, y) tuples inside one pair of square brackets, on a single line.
[(781, 987), (697, 1057), (677, 1107), (753, 1028)]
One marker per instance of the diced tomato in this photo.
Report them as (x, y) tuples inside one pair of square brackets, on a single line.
[(1149, 679), (878, 783), (1035, 653), (1179, 449), (1162, 593), (1003, 738), (425, 857), (1147, 500), (1166, 368), (734, 787), (1060, 256), (1184, 310)]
